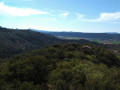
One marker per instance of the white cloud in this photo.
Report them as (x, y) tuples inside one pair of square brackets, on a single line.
[(14, 11), (60, 13), (80, 16), (64, 15), (109, 16), (105, 17)]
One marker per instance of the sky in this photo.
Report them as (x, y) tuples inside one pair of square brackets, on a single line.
[(61, 15)]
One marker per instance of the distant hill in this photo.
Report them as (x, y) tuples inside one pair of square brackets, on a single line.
[(95, 36), (15, 41), (113, 36), (112, 32)]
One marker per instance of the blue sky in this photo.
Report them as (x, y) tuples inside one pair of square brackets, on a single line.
[(61, 15)]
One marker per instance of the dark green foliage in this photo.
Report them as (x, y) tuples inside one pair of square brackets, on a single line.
[(62, 67)]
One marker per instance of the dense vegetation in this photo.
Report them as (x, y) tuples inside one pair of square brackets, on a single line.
[(62, 67), (15, 41)]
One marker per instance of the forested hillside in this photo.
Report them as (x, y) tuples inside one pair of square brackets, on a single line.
[(62, 67), (15, 41)]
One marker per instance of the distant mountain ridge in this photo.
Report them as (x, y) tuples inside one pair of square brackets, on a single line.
[(95, 36)]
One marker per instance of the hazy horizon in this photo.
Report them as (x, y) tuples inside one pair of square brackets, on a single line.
[(77, 16)]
